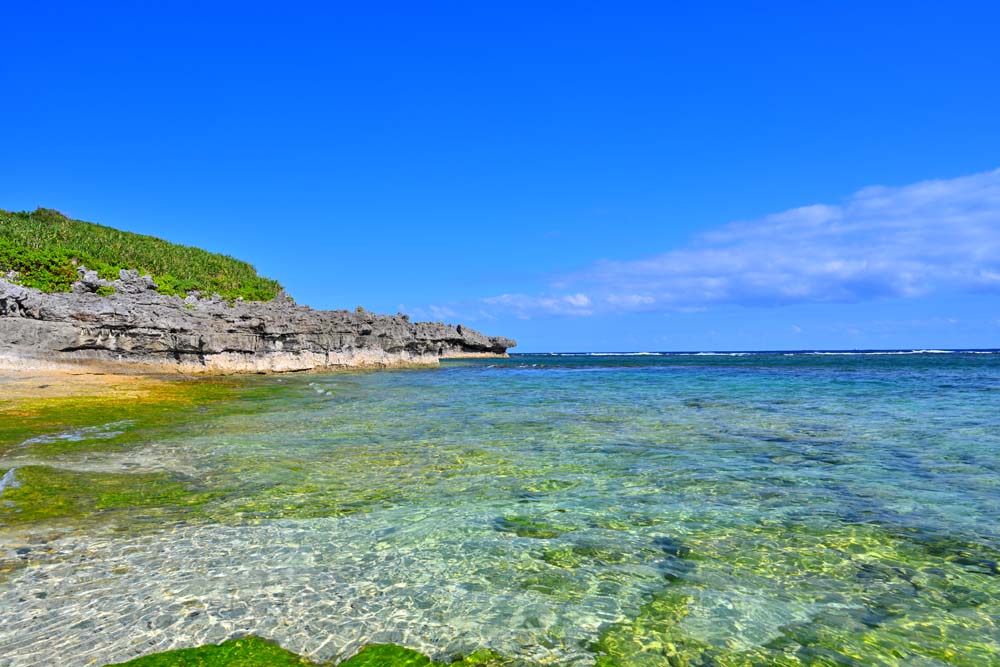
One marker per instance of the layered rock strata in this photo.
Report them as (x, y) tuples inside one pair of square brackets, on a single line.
[(138, 328)]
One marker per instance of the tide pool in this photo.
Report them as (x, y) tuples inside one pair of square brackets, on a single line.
[(683, 510)]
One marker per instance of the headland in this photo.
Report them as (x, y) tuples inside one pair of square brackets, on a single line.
[(76, 295)]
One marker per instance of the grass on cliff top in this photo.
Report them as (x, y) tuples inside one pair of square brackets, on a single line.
[(45, 247)]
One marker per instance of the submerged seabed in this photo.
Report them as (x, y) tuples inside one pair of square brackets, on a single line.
[(641, 510)]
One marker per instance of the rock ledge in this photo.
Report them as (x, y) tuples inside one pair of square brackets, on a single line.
[(138, 328)]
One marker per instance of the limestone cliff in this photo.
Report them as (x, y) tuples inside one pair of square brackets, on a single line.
[(137, 327)]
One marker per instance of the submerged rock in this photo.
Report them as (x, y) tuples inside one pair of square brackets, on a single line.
[(252, 651), (245, 651), (136, 326)]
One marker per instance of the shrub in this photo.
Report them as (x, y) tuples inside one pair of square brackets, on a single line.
[(45, 247), (50, 270)]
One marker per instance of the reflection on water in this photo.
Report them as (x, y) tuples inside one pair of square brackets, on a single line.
[(634, 511)]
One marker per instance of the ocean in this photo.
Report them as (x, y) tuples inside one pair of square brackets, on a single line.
[(692, 509)]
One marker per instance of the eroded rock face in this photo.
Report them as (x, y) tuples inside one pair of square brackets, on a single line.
[(138, 327)]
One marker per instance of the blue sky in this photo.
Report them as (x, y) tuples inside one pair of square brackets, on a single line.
[(615, 176)]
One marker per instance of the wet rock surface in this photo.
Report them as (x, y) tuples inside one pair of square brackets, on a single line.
[(137, 326)]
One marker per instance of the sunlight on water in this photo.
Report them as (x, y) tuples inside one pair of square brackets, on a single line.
[(838, 510)]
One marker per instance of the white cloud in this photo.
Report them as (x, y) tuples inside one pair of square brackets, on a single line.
[(441, 312), (524, 305), (630, 299), (882, 242)]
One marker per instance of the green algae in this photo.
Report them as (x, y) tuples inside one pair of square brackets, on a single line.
[(557, 585), (549, 485), (255, 652), (486, 658), (31, 426), (389, 655), (572, 556), (392, 655), (48, 439), (51, 441), (752, 574), (245, 652), (648, 637), (46, 493), (912, 599), (539, 528), (303, 498)]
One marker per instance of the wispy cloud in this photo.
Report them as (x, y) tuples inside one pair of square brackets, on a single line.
[(882, 242), (441, 312), (524, 305)]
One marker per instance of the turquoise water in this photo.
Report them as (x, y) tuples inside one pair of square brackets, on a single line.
[(632, 510)]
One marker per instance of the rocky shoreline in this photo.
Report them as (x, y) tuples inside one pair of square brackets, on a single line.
[(137, 329)]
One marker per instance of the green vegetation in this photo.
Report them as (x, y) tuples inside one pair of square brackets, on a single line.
[(540, 528), (116, 414), (45, 248), (50, 270), (256, 652), (919, 600), (246, 652), (572, 556), (391, 655), (46, 493), (119, 414), (145, 405)]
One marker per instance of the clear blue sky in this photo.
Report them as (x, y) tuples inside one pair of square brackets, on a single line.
[(567, 175)]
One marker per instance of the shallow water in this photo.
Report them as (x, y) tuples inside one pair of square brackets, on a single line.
[(642, 510)]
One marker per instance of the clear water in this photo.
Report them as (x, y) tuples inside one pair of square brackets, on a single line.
[(653, 510)]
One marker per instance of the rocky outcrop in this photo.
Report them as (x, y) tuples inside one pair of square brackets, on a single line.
[(139, 328)]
